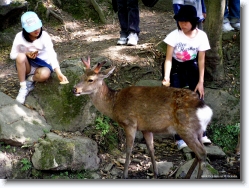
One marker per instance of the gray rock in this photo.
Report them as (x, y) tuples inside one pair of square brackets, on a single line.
[(20, 125), (164, 167), (208, 173), (5, 166), (213, 151), (226, 108), (61, 153), (62, 110)]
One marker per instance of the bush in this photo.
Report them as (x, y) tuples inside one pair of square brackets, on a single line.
[(225, 136), (108, 133)]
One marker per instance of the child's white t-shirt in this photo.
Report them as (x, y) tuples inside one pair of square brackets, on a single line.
[(43, 45), (186, 48)]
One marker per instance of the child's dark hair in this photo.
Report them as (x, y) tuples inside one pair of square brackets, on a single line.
[(193, 23), (25, 34)]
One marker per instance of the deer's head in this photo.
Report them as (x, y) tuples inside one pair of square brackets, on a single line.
[(92, 79)]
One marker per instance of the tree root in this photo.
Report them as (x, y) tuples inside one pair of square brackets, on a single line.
[(99, 11)]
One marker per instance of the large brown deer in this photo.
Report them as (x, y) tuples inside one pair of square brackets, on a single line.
[(149, 110)]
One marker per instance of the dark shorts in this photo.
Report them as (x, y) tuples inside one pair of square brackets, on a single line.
[(37, 62), (183, 74)]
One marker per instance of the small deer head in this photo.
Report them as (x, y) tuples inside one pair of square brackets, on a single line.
[(92, 79)]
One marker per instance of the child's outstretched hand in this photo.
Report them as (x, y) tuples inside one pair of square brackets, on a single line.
[(166, 83), (32, 55), (63, 79)]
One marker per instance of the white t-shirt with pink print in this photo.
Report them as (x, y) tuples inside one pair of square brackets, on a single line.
[(186, 48)]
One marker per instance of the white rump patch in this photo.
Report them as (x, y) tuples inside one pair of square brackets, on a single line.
[(204, 115)]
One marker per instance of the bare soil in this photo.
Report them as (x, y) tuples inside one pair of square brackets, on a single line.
[(84, 37)]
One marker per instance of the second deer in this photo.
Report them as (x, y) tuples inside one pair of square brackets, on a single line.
[(149, 110)]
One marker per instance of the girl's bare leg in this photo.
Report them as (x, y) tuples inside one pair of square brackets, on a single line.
[(23, 66), (41, 74)]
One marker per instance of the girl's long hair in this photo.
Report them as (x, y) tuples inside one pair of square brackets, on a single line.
[(25, 34)]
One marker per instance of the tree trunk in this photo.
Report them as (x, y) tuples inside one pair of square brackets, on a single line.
[(213, 28)]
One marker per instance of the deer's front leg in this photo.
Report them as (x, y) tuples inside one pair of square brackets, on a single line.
[(130, 133)]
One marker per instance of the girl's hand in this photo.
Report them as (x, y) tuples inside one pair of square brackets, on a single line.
[(200, 89), (166, 82), (32, 55), (62, 78)]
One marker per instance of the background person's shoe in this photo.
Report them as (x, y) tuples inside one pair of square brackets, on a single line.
[(132, 39), (227, 27), (235, 26), (122, 41)]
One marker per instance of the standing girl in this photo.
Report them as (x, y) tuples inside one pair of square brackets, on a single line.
[(183, 68)]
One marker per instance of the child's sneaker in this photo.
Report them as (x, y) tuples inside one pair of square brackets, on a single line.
[(30, 85), (132, 39), (23, 92), (181, 144), (205, 140)]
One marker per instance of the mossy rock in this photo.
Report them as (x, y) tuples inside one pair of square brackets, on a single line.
[(60, 107)]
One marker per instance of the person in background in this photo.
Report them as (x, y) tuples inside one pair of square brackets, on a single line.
[(231, 19), (128, 15), (183, 68), (34, 54), (198, 4)]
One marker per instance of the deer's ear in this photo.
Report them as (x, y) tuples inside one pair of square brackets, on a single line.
[(106, 73), (98, 66)]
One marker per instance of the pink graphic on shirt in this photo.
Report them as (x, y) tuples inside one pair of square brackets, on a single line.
[(184, 56)]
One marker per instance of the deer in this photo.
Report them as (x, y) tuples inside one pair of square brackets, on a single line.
[(149, 109)]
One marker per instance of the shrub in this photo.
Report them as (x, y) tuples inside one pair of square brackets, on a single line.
[(225, 136)]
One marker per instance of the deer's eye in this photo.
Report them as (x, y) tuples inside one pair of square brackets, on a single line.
[(90, 80)]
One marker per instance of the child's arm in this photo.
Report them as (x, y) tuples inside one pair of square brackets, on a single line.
[(59, 74), (204, 11), (168, 65), (201, 65)]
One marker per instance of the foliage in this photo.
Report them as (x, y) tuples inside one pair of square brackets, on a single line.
[(225, 136), (108, 134), (26, 164), (80, 9), (8, 148), (38, 7)]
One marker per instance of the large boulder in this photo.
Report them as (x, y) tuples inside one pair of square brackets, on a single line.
[(208, 173), (10, 12), (226, 108), (61, 153), (20, 125), (56, 102)]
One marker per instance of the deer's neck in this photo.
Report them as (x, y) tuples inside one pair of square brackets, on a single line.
[(104, 99)]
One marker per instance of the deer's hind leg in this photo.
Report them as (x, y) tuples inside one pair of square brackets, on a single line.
[(148, 136), (194, 143)]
